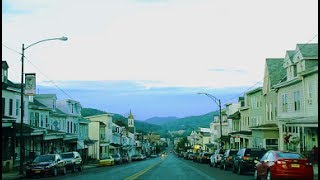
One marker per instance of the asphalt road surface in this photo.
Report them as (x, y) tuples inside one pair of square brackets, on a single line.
[(167, 167)]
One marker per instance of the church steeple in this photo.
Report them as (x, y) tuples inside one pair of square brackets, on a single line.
[(130, 120)]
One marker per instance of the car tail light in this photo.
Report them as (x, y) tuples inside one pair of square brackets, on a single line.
[(309, 164), (245, 157), (281, 162)]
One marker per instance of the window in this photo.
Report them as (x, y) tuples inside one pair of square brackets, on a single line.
[(68, 127), (36, 123), (53, 104), (31, 118), (294, 70), (46, 119), (271, 144), (310, 90), (75, 128), (284, 103), (10, 107), (41, 120), (3, 105), (270, 107), (17, 107), (267, 111), (72, 108), (296, 96)]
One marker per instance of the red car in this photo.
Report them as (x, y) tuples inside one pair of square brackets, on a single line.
[(283, 164)]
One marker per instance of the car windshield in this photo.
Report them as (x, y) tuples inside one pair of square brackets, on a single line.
[(115, 155), (105, 157), (67, 155), (44, 158), (254, 153), (232, 153), (290, 155)]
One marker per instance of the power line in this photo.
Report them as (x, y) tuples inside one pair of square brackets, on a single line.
[(38, 70), (272, 72), (10, 49)]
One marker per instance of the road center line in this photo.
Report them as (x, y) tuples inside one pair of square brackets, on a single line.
[(134, 176)]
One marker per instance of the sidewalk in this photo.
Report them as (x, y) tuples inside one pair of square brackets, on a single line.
[(15, 174)]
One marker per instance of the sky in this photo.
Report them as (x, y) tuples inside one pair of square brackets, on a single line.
[(137, 50)]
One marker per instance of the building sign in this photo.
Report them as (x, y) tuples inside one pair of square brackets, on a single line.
[(30, 84)]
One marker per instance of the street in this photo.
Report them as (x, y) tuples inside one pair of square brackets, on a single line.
[(168, 167)]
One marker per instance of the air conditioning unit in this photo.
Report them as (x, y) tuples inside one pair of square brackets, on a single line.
[(310, 101)]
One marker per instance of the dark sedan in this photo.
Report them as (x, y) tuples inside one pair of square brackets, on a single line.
[(228, 158), (50, 164)]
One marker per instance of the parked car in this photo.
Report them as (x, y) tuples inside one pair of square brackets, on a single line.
[(106, 161), (50, 164), (246, 159), (126, 158), (215, 159), (117, 158), (195, 157), (280, 164), (137, 157), (153, 155), (186, 155), (72, 161), (228, 158), (190, 156), (204, 157)]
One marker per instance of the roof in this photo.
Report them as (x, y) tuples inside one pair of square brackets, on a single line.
[(45, 95), (9, 83), (235, 116), (291, 53), (308, 51), (242, 132), (83, 120), (130, 116), (205, 133), (254, 90), (265, 126), (38, 104), (5, 65), (276, 70)]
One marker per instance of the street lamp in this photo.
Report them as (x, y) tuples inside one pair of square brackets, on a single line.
[(22, 94), (218, 102)]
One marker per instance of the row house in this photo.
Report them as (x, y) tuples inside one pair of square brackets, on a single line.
[(298, 99), (100, 132), (48, 126), (215, 129), (109, 138), (283, 114)]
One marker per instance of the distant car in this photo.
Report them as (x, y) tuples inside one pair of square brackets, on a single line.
[(186, 155), (50, 164), (205, 157), (117, 158), (215, 159), (72, 161), (153, 155), (195, 157), (126, 158), (106, 161), (137, 157), (227, 159), (281, 164), (246, 159), (190, 156)]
